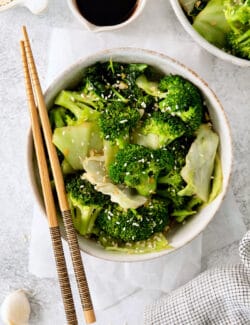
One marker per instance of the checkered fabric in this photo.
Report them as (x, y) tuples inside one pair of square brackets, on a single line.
[(220, 296)]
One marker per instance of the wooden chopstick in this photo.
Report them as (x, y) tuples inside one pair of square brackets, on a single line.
[(48, 199), (60, 188)]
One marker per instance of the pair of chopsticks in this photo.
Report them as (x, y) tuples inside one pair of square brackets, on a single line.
[(40, 119)]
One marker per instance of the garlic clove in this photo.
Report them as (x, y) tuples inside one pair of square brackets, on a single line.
[(15, 309)]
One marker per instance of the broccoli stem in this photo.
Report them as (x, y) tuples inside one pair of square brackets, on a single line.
[(81, 111)]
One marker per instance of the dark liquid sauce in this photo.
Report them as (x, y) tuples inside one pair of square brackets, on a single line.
[(106, 12)]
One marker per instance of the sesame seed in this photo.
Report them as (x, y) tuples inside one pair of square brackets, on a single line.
[(135, 224)]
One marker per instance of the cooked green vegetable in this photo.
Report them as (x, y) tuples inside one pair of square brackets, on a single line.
[(76, 111), (211, 23), (170, 184), (155, 243), (224, 23), (216, 179), (139, 167), (116, 122), (134, 224), (200, 164), (76, 142), (86, 203), (240, 44), (158, 130), (183, 100), (150, 87), (132, 143)]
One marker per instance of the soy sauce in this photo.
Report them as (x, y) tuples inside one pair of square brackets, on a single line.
[(106, 12)]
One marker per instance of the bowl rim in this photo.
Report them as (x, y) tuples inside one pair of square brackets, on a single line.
[(100, 55), (179, 12)]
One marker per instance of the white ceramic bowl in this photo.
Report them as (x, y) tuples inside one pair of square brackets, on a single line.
[(184, 233), (94, 28), (202, 41)]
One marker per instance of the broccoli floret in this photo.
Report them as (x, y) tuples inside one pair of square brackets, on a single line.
[(58, 117), (183, 100), (239, 44), (237, 14), (139, 167), (127, 72), (191, 207), (76, 112), (91, 96), (179, 149), (171, 183), (144, 102), (169, 187), (85, 203), (117, 81), (158, 130), (181, 207), (134, 224), (116, 122), (114, 75), (95, 77), (124, 83)]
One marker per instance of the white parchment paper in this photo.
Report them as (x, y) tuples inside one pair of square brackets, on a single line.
[(117, 288)]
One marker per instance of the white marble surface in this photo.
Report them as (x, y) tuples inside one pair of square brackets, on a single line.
[(230, 83)]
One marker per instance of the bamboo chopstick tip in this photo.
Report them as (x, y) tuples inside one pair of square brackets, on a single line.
[(24, 29), (89, 316)]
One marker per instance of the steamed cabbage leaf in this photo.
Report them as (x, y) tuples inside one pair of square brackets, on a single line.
[(77, 141), (95, 173), (211, 23), (217, 179), (199, 166)]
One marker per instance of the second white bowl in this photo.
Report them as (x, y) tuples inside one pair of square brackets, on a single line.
[(202, 41)]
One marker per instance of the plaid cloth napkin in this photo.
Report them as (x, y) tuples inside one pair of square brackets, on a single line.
[(217, 296)]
